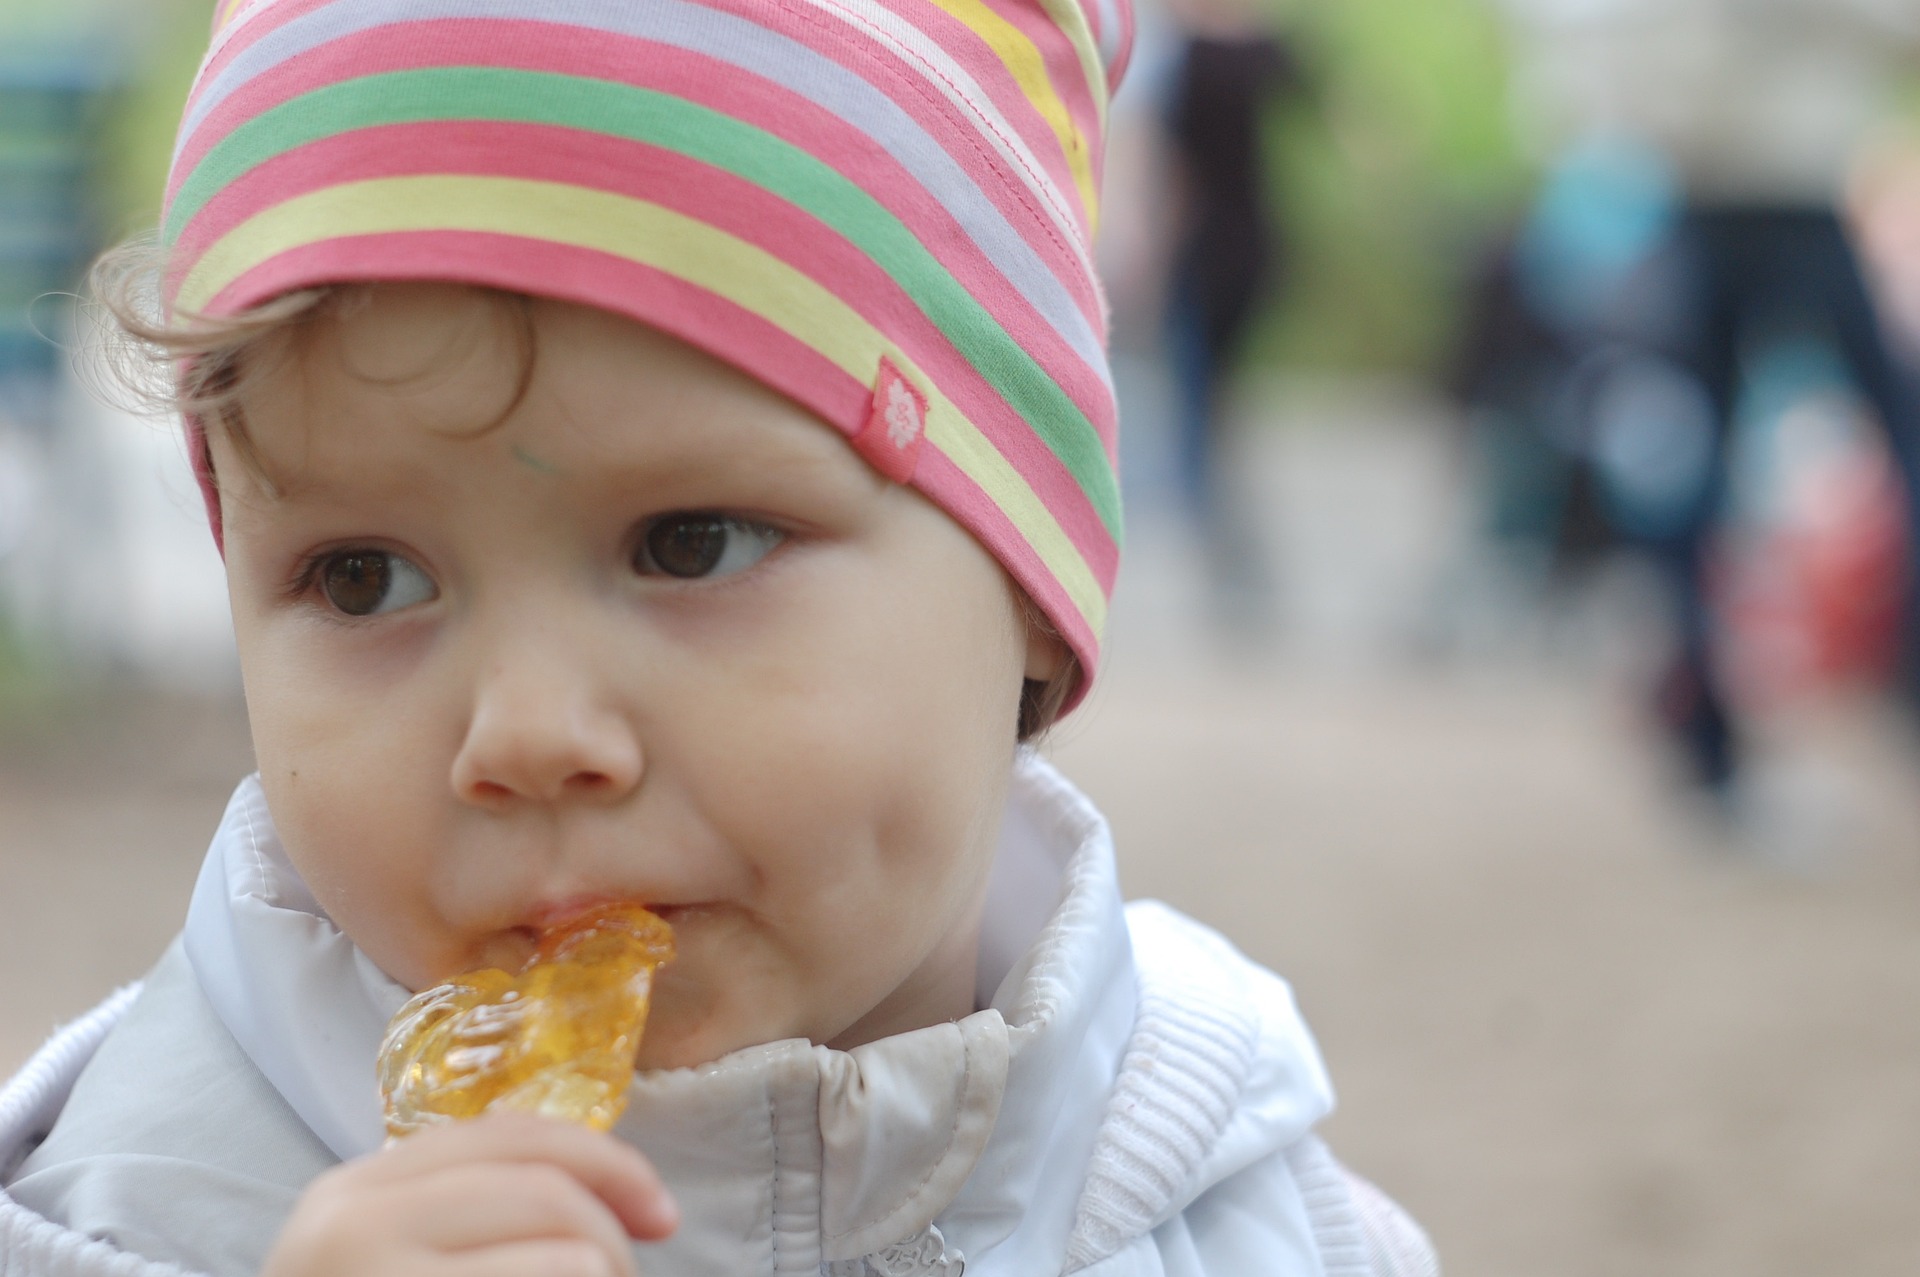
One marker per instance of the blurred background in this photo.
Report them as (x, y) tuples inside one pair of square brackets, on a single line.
[(1516, 644)]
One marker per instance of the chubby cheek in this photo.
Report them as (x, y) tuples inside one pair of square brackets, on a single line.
[(858, 873), (865, 792), (353, 804)]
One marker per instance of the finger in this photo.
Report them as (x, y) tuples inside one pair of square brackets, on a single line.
[(534, 1259), (613, 1171), (495, 1203)]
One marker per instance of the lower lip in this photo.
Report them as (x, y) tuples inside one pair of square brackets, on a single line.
[(558, 915), (567, 911)]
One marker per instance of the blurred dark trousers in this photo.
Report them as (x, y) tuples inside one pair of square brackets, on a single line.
[(1757, 272), (1204, 333)]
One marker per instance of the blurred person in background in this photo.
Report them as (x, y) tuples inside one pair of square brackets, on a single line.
[(1567, 322), (1228, 257), (1760, 106), (1883, 202)]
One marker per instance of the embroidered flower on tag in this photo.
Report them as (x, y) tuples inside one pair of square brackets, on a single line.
[(903, 414), (922, 1256), (896, 425)]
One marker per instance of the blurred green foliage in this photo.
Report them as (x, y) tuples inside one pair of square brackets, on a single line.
[(36, 21), (140, 141), (143, 54), (1390, 179), (29, 681)]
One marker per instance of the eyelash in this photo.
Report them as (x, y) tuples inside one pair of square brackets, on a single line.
[(306, 573), (305, 580), (769, 536), (308, 584)]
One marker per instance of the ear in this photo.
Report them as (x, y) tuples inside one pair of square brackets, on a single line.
[(1046, 651)]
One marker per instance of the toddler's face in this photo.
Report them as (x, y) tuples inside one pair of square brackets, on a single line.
[(659, 635)]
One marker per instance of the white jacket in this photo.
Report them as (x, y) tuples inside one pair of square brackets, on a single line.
[(1135, 1099)]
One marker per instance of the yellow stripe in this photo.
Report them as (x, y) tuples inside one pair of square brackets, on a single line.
[(1072, 19), (1023, 59), (226, 14), (658, 237)]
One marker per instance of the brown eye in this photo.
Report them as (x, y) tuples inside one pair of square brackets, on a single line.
[(689, 546), (368, 582)]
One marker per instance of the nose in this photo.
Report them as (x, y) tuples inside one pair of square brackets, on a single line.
[(539, 732)]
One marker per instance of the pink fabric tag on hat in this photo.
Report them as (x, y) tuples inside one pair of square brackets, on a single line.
[(895, 428)]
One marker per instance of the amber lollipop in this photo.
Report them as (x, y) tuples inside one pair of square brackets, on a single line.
[(558, 1038)]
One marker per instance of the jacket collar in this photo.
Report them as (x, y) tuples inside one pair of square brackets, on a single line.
[(800, 1154)]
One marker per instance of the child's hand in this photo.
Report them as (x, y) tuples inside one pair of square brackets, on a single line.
[(504, 1196)]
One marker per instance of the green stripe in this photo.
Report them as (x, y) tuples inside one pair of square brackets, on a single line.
[(672, 123)]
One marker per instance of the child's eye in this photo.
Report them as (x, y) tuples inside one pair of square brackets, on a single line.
[(370, 582), (703, 545)]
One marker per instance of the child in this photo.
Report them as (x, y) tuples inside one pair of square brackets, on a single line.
[(663, 450)]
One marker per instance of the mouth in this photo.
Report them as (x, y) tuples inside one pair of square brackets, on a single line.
[(558, 913), (546, 917), (511, 946)]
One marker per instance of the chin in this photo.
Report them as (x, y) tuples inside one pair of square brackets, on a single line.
[(683, 1037), (668, 1050)]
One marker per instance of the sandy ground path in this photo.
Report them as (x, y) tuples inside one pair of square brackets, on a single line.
[(1573, 1033)]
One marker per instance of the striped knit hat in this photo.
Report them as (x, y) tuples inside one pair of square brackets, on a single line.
[(882, 208)]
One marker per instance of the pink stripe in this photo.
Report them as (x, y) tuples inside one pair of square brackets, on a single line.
[(715, 198), (589, 278), (1128, 40), (952, 128), (275, 17), (1063, 73), (836, 142), (1062, 59), (570, 50), (202, 461), (959, 42)]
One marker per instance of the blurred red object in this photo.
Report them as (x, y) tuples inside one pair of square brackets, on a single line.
[(1810, 598)]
